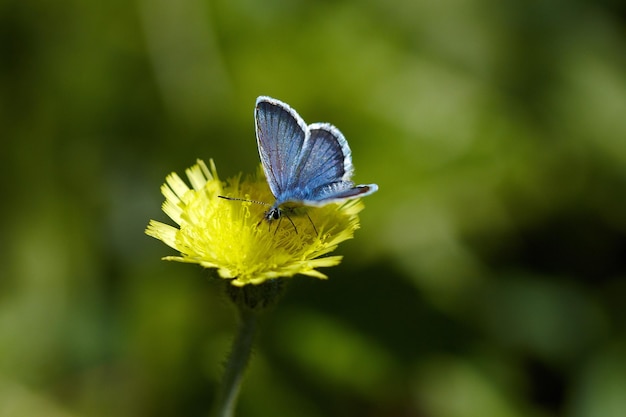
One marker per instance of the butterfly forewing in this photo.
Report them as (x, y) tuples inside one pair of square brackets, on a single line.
[(281, 134)]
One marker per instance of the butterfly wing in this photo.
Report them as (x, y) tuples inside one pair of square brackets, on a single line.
[(281, 134), (324, 174), (338, 193), (325, 158)]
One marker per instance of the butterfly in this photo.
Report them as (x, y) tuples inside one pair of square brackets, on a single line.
[(305, 165)]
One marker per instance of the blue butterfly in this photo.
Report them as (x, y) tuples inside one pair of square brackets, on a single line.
[(304, 165)]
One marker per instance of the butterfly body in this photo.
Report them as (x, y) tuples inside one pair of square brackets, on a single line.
[(305, 165)]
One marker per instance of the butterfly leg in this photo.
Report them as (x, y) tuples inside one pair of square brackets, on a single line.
[(290, 221), (280, 220), (312, 224)]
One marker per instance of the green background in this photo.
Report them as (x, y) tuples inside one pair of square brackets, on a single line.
[(488, 276)]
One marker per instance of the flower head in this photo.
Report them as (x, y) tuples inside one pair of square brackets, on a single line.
[(229, 236)]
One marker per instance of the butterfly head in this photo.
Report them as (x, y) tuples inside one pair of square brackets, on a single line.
[(277, 213), (273, 213)]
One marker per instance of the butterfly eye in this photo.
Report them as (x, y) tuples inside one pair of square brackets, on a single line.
[(275, 214)]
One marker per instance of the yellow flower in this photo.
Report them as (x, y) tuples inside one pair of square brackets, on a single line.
[(230, 236)]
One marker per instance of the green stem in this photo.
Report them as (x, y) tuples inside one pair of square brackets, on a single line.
[(236, 365)]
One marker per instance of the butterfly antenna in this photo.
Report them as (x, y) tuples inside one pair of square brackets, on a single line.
[(244, 199)]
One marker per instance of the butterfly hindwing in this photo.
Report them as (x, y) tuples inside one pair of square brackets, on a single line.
[(339, 192)]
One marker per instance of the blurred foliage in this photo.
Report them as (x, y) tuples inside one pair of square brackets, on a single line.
[(488, 278)]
